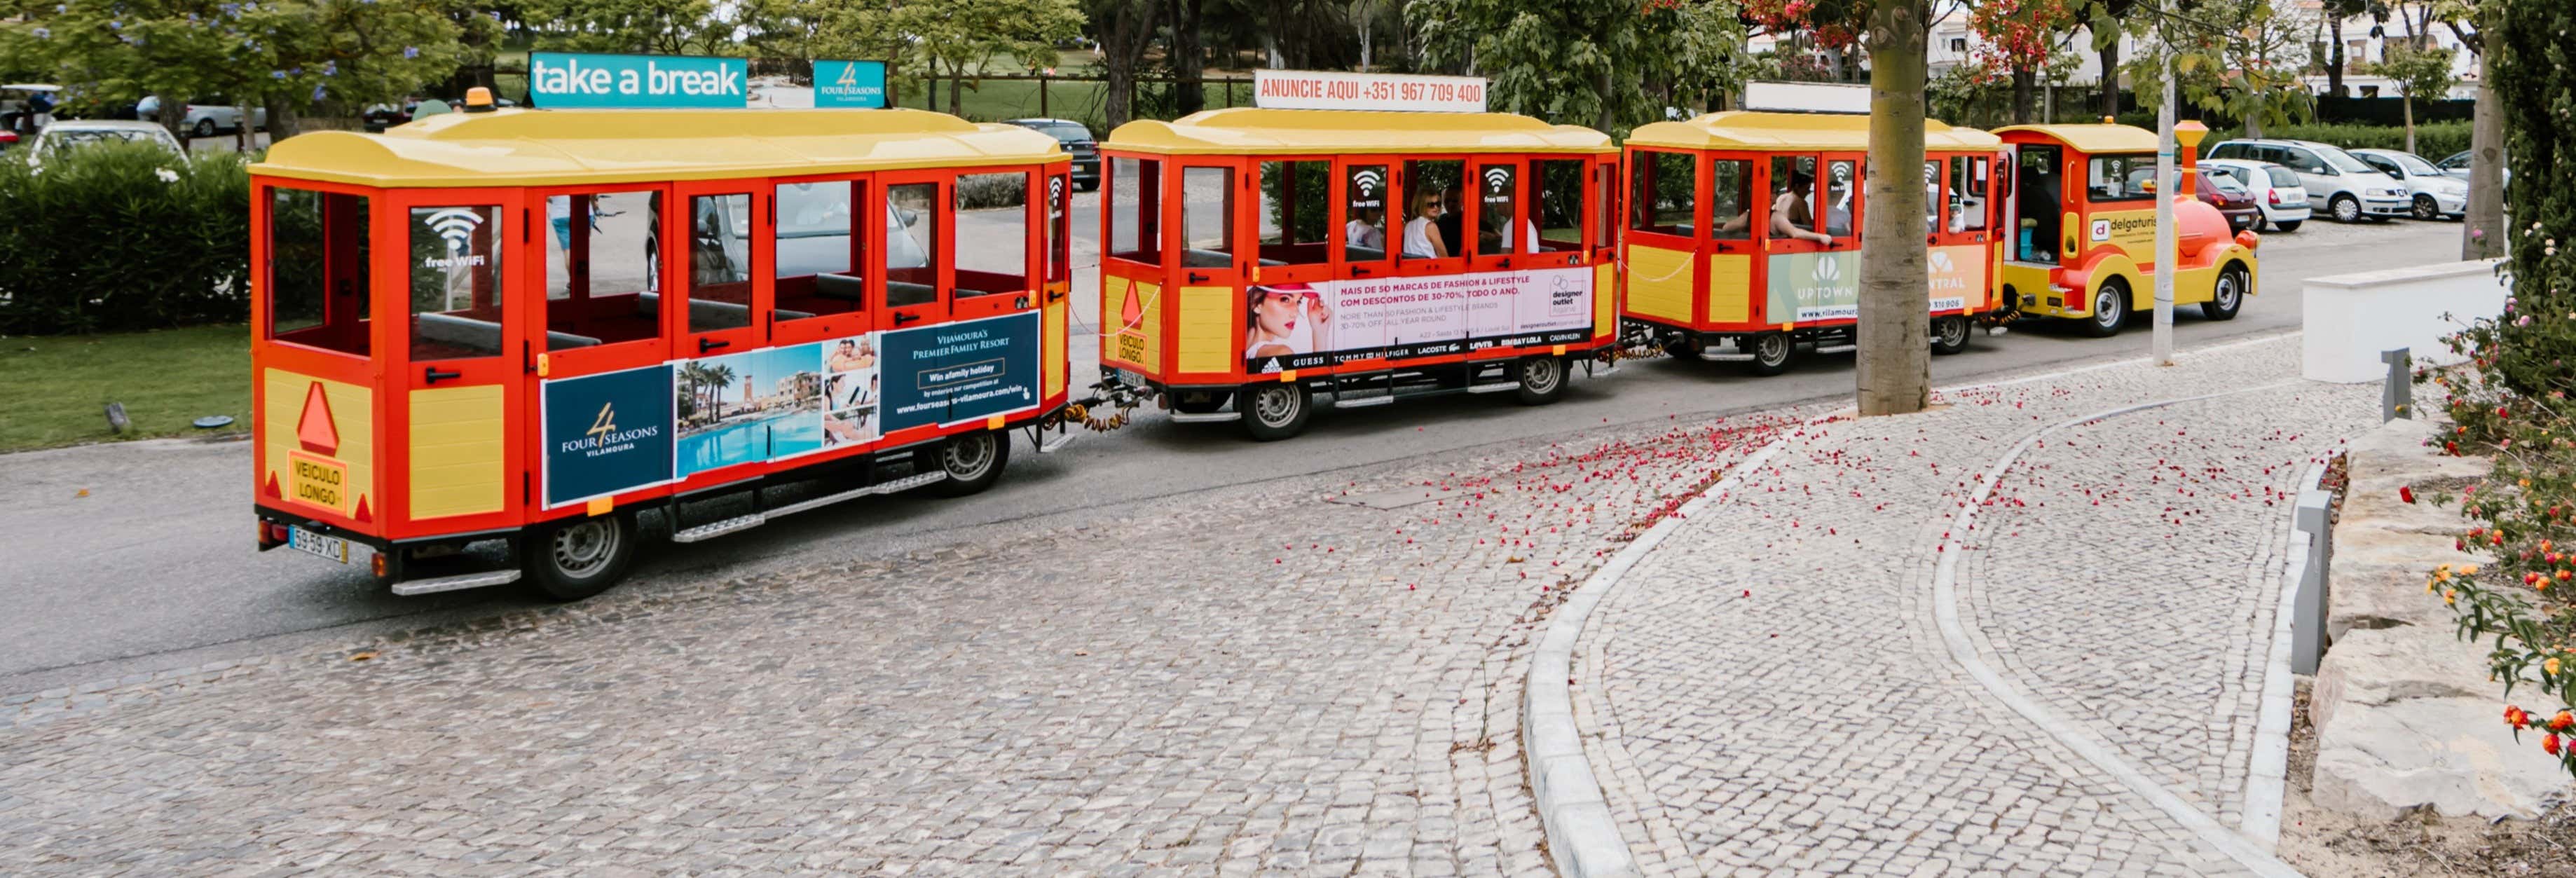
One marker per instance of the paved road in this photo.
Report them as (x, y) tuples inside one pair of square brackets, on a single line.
[(154, 569)]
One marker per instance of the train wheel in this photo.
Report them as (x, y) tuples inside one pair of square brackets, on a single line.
[(1949, 334), (1772, 352), (2228, 295), (2110, 309), (1542, 380), (575, 558), (973, 462), (1275, 411)]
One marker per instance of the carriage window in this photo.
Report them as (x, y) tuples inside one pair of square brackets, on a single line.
[(1556, 186), (1969, 182), (601, 269), (317, 277), (1793, 192), (1136, 209), (1364, 213), (912, 235), (1730, 208), (1207, 217), (455, 282), (1931, 195), (1294, 212), (1059, 229), (719, 260), (1664, 193), (1842, 185), (1435, 209), (1498, 230), (993, 211), (2120, 177), (817, 252)]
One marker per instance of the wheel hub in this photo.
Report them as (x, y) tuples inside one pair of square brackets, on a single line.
[(585, 547), (1275, 405), (1539, 375), (968, 457)]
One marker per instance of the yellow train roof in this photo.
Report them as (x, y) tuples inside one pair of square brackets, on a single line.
[(2092, 138), (1254, 131), (515, 147), (1752, 130)]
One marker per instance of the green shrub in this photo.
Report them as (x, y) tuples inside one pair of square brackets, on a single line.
[(122, 237), (2434, 141)]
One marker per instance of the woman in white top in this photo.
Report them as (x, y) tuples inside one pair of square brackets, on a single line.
[(1421, 236), (1362, 230)]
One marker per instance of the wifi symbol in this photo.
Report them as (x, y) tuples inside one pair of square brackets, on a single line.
[(1498, 178), (1367, 182), (456, 224)]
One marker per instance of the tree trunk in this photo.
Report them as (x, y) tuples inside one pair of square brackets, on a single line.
[(2334, 55), (1190, 96), (956, 88), (1894, 374), (2408, 102), (2111, 79), (1123, 37), (173, 110), (2482, 234), (2021, 84), (282, 121)]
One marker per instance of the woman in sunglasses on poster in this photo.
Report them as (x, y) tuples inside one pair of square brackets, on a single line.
[(1285, 320)]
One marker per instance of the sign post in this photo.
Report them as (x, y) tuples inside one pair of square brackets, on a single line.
[(850, 84), (566, 80), (1337, 90)]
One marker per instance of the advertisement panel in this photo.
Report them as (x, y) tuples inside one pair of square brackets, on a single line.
[(2133, 231), (1299, 326), (742, 408), (1814, 286), (568, 80), (1336, 90), (959, 372), (850, 84), (1958, 276), (606, 433)]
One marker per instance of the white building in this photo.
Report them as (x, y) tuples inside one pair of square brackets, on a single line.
[(2366, 42)]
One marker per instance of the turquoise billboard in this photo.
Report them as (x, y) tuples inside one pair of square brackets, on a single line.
[(850, 84), (567, 80)]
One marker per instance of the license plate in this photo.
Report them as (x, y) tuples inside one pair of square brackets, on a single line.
[(317, 545)]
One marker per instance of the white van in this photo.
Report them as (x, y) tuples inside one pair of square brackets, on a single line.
[(2350, 187)]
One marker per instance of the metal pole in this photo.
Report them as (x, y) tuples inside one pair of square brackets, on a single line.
[(2166, 185), (1042, 98)]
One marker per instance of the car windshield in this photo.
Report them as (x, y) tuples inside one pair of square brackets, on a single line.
[(58, 140), (2343, 161), (1064, 131), (2414, 164)]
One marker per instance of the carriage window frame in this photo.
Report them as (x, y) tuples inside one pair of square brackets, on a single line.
[(1139, 181), (2136, 161), (478, 228), (341, 238), (1756, 211), (859, 197), (582, 286), (1301, 201), (1550, 205), (1645, 183), (1016, 240)]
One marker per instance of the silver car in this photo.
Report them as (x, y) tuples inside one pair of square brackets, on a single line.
[(62, 137), (2350, 187), (2434, 195), (2278, 193)]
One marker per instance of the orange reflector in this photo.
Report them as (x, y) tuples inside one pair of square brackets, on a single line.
[(602, 506), (993, 423), (1288, 375), (379, 564)]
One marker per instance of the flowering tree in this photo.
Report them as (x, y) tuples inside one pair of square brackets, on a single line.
[(2019, 38), (2242, 58), (1610, 64)]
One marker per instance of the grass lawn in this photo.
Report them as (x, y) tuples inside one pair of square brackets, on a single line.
[(60, 385), (1001, 99)]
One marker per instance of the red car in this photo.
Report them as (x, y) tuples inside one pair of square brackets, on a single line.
[(2232, 200)]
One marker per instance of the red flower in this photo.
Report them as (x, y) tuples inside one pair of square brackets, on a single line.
[(2560, 722), (2406, 493), (2549, 745), (2515, 717)]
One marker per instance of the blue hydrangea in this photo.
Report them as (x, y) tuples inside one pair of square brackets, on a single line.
[(411, 51), (42, 33)]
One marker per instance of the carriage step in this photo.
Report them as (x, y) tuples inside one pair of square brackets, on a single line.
[(1998, 331), (1497, 387), (1206, 417), (1061, 440), (458, 582), (715, 529), (1364, 401), (1715, 355), (1836, 348)]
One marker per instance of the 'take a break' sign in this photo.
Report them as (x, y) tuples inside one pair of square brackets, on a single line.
[(1331, 90)]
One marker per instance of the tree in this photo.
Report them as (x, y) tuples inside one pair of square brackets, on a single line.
[(1603, 63), (2482, 231), (2419, 73), (958, 37), (1124, 30), (2336, 12), (2238, 58), (2019, 37), (2106, 15), (663, 27)]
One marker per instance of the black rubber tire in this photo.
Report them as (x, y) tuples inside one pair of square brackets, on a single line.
[(1542, 379), (974, 462), (2110, 309), (1215, 400), (205, 128), (2289, 225), (2345, 209), (2261, 223), (1684, 348), (2427, 209), (2227, 294), (1093, 186), (1950, 334), (1276, 410), (574, 558), (1772, 353)]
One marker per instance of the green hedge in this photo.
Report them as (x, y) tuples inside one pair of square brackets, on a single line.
[(116, 238), (2434, 141)]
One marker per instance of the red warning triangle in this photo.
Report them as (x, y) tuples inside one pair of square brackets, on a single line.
[(1133, 310), (362, 510), (271, 487), (314, 429)]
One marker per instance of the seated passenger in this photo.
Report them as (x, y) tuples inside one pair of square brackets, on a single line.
[(1363, 229), (1421, 231)]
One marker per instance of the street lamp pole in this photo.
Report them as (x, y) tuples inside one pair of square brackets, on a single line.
[(2166, 186)]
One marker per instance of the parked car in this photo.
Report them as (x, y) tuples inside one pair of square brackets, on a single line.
[(27, 106), (2455, 166), (2435, 195), (209, 115), (2232, 199), (2350, 187), (379, 117), (2277, 192), (62, 137), (1076, 139)]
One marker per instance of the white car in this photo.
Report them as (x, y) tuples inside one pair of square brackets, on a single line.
[(2435, 195), (2351, 188), (207, 116), (62, 137), (2278, 193)]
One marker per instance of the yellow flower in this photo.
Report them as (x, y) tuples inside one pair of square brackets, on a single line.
[(2450, 598), (2468, 570), (2549, 667), (2442, 574)]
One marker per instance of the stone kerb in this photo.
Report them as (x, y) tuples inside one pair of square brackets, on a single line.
[(2405, 715)]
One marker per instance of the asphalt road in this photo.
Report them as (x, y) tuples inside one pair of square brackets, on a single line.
[(155, 567)]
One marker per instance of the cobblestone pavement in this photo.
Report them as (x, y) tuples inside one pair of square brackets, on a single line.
[(1309, 676), (1769, 690)]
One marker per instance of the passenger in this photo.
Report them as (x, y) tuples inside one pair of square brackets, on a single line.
[(1791, 217), (1364, 229), (1453, 223), (1272, 322), (1421, 236)]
